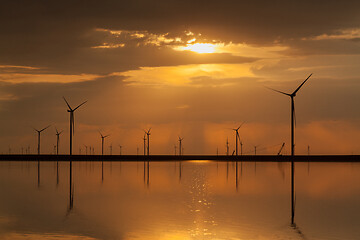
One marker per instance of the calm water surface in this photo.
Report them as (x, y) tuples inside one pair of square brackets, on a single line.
[(172, 200)]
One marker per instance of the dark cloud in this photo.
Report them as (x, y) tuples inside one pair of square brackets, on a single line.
[(58, 35)]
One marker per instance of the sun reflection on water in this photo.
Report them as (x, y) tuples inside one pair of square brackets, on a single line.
[(204, 223)]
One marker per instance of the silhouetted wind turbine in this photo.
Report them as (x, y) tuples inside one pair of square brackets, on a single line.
[(144, 143), (39, 132), (237, 137), (148, 141), (57, 140), (72, 121), (292, 95), (293, 120), (180, 148), (227, 146), (102, 142)]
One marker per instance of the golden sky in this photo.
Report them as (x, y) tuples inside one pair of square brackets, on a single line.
[(192, 71)]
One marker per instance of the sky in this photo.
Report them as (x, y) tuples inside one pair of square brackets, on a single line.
[(194, 69)]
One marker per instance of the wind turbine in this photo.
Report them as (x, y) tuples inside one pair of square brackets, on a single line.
[(227, 146), (180, 148), (148, 140), (144, 143), (102, 142), (72, 121), (57, 140), (237, 137), (292, 95), (293, 120), (39, 132)]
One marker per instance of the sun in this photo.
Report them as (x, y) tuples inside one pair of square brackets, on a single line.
[(200, 47)]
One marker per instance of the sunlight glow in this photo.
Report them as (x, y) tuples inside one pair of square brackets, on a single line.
[(200, 47)]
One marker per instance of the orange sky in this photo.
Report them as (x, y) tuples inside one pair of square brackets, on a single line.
[(196, 76)]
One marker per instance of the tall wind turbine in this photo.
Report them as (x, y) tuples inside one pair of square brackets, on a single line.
[(102, 142), (39, 132), (293, 120), (180, 148), (292, 95), (148, 140), (72, 121), (237, 137), (57, 140)]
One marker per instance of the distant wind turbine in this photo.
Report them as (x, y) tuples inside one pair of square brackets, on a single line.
[(57, 140), (148, 141), (39, 132), (227, 146), (180, 148), (102, 142), (72, 121), (144, 143), (237, 137), (293, 120)]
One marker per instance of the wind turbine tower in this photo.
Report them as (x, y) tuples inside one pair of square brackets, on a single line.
[(72, 121), (180, 148), (57, 140), (102, 142), (237, 137), (39, 133), (293, 120)]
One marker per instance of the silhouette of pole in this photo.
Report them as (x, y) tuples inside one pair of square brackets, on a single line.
[(38, 142), (144, 144), (292, 125), (148, 144)]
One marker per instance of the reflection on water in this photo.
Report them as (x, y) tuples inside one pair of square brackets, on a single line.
[(179, 200)]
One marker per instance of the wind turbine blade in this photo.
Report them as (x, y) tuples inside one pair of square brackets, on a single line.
[(67, 103), (106, 136), (57, 132), (101, 134), (279, 91), (294, 93), (80, 105), (44, 128), (61, 132), (35, 129), (149, 131)]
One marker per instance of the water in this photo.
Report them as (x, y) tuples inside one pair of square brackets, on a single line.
[(205, 200)]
